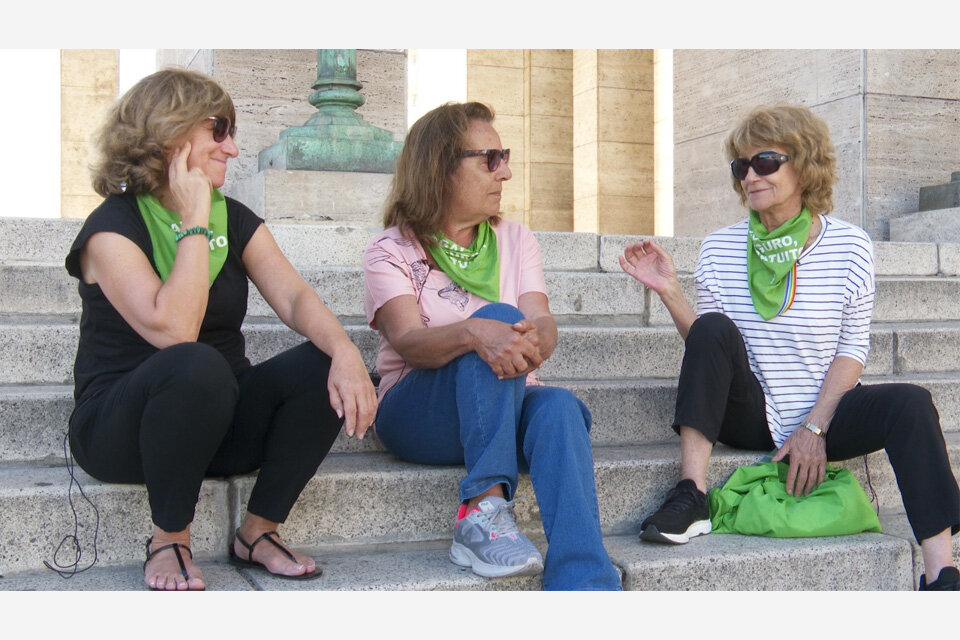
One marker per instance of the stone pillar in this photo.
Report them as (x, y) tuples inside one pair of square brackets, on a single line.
[(89, 81), (894, 117), (613, 141), (548, 138), (530, 91)]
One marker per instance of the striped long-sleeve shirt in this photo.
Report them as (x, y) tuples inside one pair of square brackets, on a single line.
[(830, 315)]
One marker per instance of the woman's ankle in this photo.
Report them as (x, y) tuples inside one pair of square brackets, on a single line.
[(253, 526), (162, 537), (495, 491)]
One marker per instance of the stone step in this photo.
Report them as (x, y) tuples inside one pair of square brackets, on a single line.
[(724, 562), (353, 500), (305, 244), (41, 349), (313, 245), (865, 562), (43, 288), (33, 418), (575, 296)]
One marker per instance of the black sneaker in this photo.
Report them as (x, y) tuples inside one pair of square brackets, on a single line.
[(683, 515), (948, 580)]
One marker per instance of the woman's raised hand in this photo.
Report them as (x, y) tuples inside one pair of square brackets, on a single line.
[(190, 190), (649, 264)]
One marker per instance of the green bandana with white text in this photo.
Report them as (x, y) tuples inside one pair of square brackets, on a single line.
[(772, 262), (164, 225), (475, 268)]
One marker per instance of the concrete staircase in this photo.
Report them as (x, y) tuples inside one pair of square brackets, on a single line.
[(378, 523)]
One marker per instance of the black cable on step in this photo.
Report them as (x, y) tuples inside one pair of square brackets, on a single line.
[(71, 569), (873, 494)]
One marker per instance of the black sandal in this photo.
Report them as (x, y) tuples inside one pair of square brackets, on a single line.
[(176, 546), (250, 563)]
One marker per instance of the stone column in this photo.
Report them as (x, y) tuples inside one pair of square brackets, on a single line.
[(89, 80), (613, 141), (530, 91)]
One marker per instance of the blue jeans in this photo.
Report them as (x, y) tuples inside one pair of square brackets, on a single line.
[(462, 414)]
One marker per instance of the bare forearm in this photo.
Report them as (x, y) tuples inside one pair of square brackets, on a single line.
[(680, 310), (309, 317), (434, 347), (841, 377), (190, 274)]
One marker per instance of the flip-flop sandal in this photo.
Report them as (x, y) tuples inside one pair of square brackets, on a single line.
[(249, 563), (176, 546)]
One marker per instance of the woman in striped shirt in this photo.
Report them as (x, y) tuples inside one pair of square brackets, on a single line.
[(776, 347)]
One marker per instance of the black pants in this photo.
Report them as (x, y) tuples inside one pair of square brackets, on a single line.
[(182, 415), (720, 397)]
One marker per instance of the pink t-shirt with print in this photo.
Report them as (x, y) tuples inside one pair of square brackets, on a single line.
[(394, 265)]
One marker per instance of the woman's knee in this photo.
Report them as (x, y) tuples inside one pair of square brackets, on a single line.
[(499, 311), (914, 403), (712, 325), (195, 370)]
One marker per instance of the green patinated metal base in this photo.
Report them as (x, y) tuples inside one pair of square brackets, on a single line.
[(336, 138)]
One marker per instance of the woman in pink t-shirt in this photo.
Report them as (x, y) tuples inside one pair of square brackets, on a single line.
[(459, 299)]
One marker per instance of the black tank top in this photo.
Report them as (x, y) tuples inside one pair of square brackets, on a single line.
[(108, 346)]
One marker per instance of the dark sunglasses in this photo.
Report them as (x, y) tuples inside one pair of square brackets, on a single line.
[(222, 128), (494, 156), (764, 163)]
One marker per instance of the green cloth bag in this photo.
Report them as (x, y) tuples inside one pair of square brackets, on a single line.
[(754, 501)]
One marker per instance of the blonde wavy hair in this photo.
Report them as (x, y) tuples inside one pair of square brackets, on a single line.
[(804, 137), (145, 122), (430, 156)]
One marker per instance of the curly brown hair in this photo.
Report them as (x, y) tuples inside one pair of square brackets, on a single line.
[(145, 122), (804, 137), (431, 154)]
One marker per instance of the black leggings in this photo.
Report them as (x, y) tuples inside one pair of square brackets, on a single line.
[(183, 415), (720, 397)]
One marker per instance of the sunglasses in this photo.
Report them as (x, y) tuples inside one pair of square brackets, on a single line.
[(494, 156), (222, 128), (764, 163)]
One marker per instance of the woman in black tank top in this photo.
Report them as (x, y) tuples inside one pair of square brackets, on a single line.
[(165, 395)]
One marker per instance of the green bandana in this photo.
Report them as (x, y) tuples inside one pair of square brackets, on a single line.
[(772, 262), (475, 268), (164, 225)]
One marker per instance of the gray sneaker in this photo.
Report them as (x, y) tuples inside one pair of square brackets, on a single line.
[(488, 541)]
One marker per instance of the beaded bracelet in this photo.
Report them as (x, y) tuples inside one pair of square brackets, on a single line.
[(191, 231)]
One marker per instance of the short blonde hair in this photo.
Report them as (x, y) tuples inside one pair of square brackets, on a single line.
[(803, 136), (431, 153), (144, 123)]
